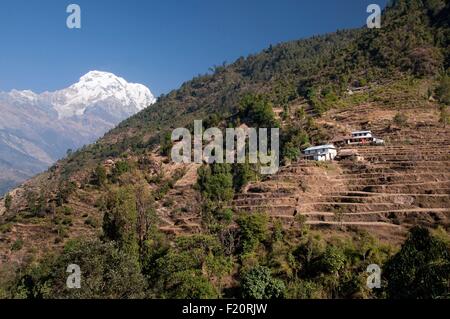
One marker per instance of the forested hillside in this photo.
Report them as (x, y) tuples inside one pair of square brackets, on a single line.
[(150, 228)]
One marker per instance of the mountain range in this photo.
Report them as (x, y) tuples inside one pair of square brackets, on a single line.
[(141, 226), (37, 129)]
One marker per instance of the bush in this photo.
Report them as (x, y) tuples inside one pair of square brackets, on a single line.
[(443, 90), (100, 177), (90, 221), (6, 228), (421, 269), (190, 285), (215, 182), (253, 229), (120, 219), (331, 261), (37, 204), (180, 272), (106, 272), (444, 116), (17, 245), (293, 139), (8, 201), (166, 144), (243, 174), (225, 215), (400, 119), (121, 167), (258, 111), (258, 283), (65, 190)]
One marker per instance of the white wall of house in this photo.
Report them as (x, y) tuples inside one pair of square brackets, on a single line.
[(322, 154)]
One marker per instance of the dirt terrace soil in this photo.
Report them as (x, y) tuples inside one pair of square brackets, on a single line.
[(394, 187), (404, 183)]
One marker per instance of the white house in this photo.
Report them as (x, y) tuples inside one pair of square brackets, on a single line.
[(362, 134), (321, 153), (360, 138)]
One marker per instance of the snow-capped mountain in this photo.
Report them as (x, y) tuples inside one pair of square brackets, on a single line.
[(94, 89), (37, 129)]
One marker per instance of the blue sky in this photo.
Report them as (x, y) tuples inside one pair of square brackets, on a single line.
[(157, 43)]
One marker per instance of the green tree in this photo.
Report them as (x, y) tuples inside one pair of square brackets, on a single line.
[(332, 261), (166, 144), (8, 201), (444, 116), (100, 177), (106, 272), (120, 219), (190, 284), (215, 182), (257, 110), (421, 269), (217, 267), (253, 229), (443, 90), (181, 271), (258, 283), (293, 139), (121, 167), (65, 190), (243, 174), (400, 119)]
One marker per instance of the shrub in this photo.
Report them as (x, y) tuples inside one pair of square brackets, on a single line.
[(190, 285), (400, 119), (166, 145), (120, 168), (258, 283), (243, 174), (180, 272), (444, 116), (6, 228), (90, 221), (65, 190), (120, 219), (225, 215), (253, 229), (106, 273), (215, 182), (443, 90), (100, 177), (293, 139), (8, 201), (257, 110), (17, 245), (331, 261), (421, 269)]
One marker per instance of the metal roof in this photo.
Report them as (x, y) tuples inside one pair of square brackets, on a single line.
[(362, 132), (320, 147)]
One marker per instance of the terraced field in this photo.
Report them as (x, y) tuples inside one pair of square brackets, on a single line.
[(393, 187)]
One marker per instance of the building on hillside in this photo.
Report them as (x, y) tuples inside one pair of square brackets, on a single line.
[(359, 138), (320, 153)]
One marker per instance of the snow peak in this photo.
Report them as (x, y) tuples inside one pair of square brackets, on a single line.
[(192, 309)]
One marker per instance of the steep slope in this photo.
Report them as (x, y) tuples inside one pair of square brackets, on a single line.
[(385, 189), (414, 39), (38, 129)]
